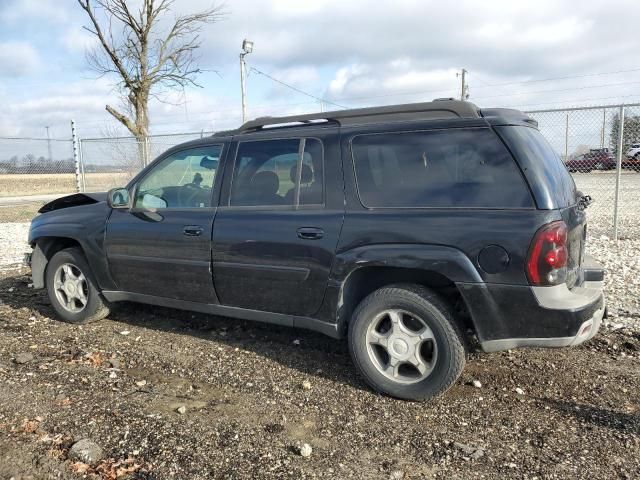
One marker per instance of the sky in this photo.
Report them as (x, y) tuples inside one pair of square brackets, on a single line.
[(355, 53)]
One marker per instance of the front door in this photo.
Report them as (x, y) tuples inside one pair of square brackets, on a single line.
[(162, 245), (274, 239)]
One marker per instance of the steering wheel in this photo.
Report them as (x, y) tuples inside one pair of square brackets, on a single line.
[(187, 193)]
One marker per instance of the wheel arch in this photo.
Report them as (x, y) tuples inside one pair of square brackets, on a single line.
[(436, 267), (44, 248)]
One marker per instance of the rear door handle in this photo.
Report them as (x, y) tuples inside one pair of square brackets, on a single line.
[(310, 233), (193, 230)]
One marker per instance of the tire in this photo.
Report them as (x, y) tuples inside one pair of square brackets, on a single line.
[(79, 280), (418, 306)]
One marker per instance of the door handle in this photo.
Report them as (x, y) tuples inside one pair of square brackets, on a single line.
[(193, 230), (310, 233)]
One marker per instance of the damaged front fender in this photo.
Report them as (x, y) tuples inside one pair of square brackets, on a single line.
[(74, 200)]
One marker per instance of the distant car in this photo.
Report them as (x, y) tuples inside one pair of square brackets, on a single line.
[(595, 159), (632, 160), (634, 151)]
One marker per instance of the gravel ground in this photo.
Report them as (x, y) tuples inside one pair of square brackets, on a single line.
[(254, 398)]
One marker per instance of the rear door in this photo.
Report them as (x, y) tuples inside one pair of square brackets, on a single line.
[(278, 223), (162, 245)]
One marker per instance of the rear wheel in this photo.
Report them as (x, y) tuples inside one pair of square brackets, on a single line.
[(405, 342), (71, 289)]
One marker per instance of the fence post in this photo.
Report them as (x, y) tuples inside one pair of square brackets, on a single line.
[(76, 155), (82, 175), (566, 139), (619, 146)]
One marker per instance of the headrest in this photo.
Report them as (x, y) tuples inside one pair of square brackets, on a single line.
[(266, 182)]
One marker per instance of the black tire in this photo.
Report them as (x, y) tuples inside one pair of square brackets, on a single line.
[(95, 307), (439, 317)]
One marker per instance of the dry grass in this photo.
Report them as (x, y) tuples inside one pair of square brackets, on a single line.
[(43, 183)]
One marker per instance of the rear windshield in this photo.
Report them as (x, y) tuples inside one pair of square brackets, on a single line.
[(550, 180), (459, 168)]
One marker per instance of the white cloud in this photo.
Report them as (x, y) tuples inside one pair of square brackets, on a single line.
[(18, 58), (19, 10), (78, 40)]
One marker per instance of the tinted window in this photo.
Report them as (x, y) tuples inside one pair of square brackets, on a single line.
[(444, 168), (542, 163), (267, 173), (182, 180)]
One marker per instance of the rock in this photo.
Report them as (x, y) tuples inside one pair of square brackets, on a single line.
[(124, 332), (477, 454), (23, 358), (396, 475), (86, 451), (141, 383), (113, 375), (306, 385), (466, 449), (181, 409), (306, 450), (476, 383), (114, 363), (519, 391), (296, 342)]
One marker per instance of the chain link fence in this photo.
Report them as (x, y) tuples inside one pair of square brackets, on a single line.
[(111, 162), (603, 155), (601, 151)]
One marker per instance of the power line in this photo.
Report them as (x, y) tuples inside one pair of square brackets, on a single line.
[(559, 90), (322, 100), (486, 85)]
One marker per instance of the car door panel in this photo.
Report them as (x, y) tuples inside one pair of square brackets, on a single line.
[(149, 253), (166, 252), (278, 258)]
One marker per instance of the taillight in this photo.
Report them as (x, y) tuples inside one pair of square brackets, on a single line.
[(548, 255)]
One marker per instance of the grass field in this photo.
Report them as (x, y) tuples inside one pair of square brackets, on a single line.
[(42, 183)]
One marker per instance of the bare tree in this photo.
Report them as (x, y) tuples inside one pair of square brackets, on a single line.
[(147, 60)]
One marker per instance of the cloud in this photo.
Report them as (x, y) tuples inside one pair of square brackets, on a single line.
[(78, 40), (21, 10), (18, 59)]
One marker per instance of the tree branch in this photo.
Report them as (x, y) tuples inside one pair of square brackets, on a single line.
[(123, 119), (86, 6)]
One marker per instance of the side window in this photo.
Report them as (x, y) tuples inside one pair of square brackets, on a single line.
[(444, 168), (267, 173), (182, 180)]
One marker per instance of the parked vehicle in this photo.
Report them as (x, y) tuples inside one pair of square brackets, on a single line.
[(595, 159), (419, 232), (634, 151), (632, 160)]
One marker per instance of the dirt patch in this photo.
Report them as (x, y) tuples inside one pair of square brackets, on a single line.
[(248, 408)]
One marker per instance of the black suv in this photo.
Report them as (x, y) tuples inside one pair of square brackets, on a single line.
[(417, 231)]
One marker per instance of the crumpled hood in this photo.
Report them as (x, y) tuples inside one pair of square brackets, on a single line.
[(74, 200)]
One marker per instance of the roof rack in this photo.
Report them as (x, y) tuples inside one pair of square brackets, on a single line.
[(438, 109)]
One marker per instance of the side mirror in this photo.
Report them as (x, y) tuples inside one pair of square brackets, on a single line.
[(118, 198)]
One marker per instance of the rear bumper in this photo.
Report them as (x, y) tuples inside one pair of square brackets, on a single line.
[(586, 331), (511, 316)]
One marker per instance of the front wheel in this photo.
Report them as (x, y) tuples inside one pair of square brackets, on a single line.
[(405, 342), (71, 289)]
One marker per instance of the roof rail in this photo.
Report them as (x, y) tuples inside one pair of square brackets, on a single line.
[(441, 108)]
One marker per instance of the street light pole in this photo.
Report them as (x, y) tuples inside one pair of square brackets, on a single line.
[(247, 47)]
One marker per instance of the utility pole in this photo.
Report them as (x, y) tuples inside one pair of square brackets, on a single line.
[(464, 88), (247, 47), (49, 145)]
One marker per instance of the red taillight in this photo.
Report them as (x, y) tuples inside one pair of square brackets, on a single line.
[(548, 255)]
